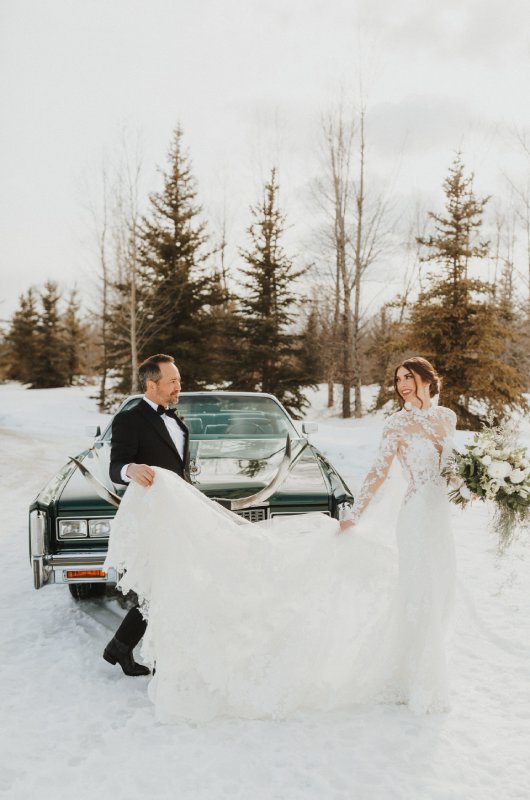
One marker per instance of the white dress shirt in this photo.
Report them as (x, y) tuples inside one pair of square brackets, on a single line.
[(173, 428)]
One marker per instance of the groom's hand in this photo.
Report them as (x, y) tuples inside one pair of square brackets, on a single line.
[(141, 473), (345, 524)]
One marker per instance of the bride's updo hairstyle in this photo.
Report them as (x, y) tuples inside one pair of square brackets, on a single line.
[(424, 369)]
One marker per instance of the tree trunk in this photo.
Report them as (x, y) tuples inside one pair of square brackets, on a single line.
[(359, 238), (346, 376), (102, 399)]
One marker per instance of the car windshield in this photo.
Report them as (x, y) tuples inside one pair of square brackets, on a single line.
[(233, 416), (211, 416)]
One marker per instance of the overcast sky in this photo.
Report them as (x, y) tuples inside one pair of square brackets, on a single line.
[(248, 80)]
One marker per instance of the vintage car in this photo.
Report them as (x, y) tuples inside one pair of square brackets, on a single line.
[(246, 452)]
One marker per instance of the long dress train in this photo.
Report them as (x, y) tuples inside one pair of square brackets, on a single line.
[(261, 620)]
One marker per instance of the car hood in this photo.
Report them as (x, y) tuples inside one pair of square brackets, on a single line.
[(220, 468)]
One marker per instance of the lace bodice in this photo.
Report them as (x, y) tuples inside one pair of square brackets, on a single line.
[(422, 440)]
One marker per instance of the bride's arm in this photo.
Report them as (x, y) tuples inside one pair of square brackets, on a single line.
[(376, 476)]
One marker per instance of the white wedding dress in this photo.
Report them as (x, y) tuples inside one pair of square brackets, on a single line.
[(261, 620)]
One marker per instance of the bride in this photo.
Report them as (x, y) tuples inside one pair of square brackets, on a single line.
[(261, 620)]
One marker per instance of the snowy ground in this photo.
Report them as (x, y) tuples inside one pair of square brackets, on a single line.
[(73, 727)]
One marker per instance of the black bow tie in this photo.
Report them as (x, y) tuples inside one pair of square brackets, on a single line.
[(167, 411)]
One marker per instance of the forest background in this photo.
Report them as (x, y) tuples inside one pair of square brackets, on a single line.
[(364, 279)]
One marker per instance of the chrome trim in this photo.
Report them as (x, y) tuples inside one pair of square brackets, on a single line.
[(298, 513), (260, 497), (75, 560), (56, 567), (254, 514), (101, 490), (37, 529), (39, 574)]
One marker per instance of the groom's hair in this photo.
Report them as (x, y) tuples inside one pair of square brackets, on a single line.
[(149, 369)]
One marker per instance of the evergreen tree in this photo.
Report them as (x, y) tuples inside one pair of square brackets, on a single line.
[(73, 337), (21, 339), (268, 356), (512, 313), (50, 364), (176, 291), (382, 345), (312, 355), (456, 320)]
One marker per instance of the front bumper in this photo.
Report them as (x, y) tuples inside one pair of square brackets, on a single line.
[(71, 568)]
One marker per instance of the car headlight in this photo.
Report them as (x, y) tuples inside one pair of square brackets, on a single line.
[(72, 528), (99, 528)]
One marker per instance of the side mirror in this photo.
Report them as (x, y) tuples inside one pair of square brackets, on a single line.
[(309, 427), (93, 430)]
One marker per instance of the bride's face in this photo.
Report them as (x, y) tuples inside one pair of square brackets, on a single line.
[(411, 387)]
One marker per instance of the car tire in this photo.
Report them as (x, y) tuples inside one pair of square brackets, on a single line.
[(85, 591)]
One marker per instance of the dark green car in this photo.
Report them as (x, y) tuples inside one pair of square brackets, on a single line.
[(246, 452)]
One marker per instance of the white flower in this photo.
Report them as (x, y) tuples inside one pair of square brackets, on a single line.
[(499, 470), (486, 460), (517, 475), (465, 493), (491, 489)]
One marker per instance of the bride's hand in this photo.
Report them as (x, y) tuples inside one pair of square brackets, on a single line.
[(345, 524)]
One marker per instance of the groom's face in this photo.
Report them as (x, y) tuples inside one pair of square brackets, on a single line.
[(166, 390)]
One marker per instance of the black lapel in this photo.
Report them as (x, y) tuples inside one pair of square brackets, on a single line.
[(158, 424), (186, 432)]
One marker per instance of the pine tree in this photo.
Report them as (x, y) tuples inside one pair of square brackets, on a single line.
[(50, 365), (269, 353), (313, 340), (456, 321), (383, 343), (511, 311), (21, 339), (72, 336), (176, 290)]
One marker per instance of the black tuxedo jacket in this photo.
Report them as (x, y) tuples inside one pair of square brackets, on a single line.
[(140, 436)]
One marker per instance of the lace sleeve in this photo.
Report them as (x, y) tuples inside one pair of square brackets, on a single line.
[(379, 471)]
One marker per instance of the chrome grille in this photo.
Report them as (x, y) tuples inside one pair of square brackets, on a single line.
[(254, 514)]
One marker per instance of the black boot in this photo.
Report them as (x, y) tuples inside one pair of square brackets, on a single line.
[(115, 651)]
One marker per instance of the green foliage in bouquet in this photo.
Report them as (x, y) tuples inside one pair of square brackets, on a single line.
[(492, 468)]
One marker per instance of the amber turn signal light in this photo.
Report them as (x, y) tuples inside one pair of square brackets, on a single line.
[(85, 573)]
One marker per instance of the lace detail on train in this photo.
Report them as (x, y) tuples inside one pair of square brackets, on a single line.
[(261, 620)]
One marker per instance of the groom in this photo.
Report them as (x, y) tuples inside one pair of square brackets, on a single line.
[(146, 436)]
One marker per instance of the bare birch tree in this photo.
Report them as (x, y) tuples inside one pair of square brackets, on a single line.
[(338, 137), (98, 205), (358, 233), (133, 327), (127, 324)]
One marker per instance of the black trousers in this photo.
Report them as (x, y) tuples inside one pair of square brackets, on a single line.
[(132, 628)]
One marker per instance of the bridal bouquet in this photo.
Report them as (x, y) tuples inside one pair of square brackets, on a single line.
[(491, 468)]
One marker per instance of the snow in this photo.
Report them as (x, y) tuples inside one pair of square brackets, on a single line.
[(72, 726)]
